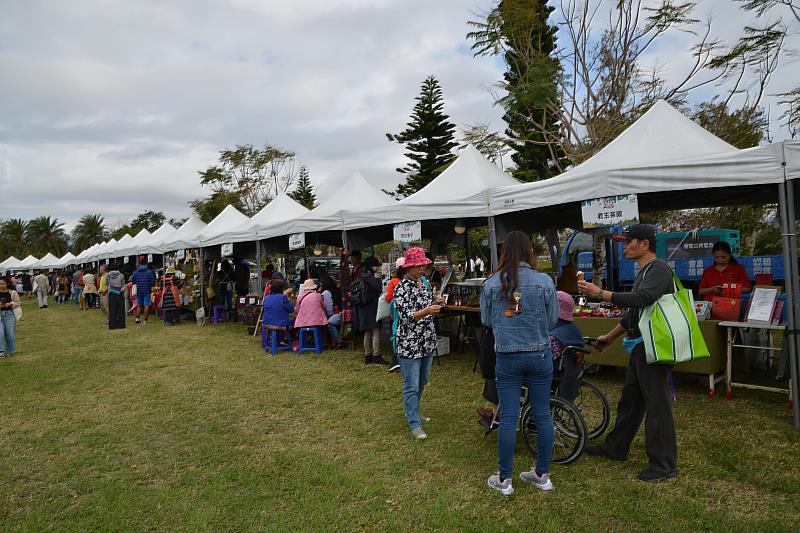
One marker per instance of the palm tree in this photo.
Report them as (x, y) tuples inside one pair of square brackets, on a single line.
[(12, 238), (44, 235), (91, 229)]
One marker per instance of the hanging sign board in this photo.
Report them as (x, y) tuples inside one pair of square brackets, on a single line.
[(297, 241), (408, 231), (227, 249), (181, 254), (125, 259), (610, 211), (149, 258)]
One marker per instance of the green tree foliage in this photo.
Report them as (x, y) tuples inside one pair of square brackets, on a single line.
[(429, 138), (44, 235), (519, 32), (490, 143), (208, 208), (743, 128), (90, 230), (149, 220), (250, 175), (13, 238), (304, 193)]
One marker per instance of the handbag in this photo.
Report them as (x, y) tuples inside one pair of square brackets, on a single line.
[(384, 310), (18, 313), (723, 308), (670, 329)]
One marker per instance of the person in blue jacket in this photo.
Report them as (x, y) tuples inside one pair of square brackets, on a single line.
[(519, 304), (143, 278)]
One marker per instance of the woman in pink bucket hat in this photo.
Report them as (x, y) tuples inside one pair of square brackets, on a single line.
[(416, 335)]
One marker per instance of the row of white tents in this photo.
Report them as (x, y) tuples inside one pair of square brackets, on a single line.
[(663, 157)]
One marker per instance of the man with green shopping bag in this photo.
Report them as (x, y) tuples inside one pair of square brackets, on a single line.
[(645, 393)]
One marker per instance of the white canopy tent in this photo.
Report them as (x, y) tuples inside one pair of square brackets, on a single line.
[(9, 264), (281, 209), (132, 247), (66, 260), (461, 192), (662, 152), (27, 263), (227, 220), (153, 244), (115, 251), (97, 251), (186, 236), (46, 262)]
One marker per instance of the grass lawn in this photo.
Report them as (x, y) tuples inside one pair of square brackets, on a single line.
[(191, 428)]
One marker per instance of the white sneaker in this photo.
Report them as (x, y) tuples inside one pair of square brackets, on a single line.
[(503, 487), (540, 482), (424, 418), (419, 433)]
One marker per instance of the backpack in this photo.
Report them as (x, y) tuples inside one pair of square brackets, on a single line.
[(358, 293)]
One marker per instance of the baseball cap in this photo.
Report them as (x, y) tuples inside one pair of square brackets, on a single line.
[(637, 231)]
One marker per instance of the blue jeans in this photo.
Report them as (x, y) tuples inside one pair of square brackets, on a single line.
[(76, 294), (8, 342), (333, 331), (536, 369), (415, 376)]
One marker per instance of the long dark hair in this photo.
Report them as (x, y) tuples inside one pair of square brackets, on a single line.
[(516, 249), (723, 246)]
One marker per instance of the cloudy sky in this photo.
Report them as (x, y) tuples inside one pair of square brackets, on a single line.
[(113, 106)]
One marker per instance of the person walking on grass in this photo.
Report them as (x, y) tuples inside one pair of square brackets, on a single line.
[(143, 278), (416, 334), (116, 298), (645, 393), (519, 304), (42, 283), (9, 311), (102, 289)]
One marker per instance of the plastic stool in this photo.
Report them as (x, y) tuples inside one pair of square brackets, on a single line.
[(301, 334), (269, 338), (218, 314)]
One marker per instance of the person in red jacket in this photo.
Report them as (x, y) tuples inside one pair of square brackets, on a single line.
[(724, 270)]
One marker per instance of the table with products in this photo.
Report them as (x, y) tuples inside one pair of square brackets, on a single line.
[(615, 355)]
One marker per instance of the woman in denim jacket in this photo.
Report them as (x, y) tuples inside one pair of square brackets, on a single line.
[(519, 304)]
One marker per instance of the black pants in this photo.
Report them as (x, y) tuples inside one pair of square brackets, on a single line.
[(116, 311), (646, 391), (569, 383)]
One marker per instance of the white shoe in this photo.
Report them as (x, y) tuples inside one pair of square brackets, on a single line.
[(419, 433), (540, 482), (503, 487)]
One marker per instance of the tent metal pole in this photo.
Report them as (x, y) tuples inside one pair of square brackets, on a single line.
[(786, 207), (492, 243), (202, 279), (258, 265)]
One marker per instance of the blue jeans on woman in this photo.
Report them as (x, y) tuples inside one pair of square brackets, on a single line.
[(415, 376), (536, 369), (8, 342)]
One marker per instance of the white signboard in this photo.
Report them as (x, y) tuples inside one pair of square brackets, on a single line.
[(227, 249), (610, 211), (125, 259), (408, 231), (149, 258), (181, 254), (297, 241), (762, 305)]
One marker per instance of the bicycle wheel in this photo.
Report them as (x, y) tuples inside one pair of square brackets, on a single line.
[(569, 431), (593, 406)]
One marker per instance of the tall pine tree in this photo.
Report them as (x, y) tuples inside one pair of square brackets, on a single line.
[(518, 30), (304, 193), (429, 138)]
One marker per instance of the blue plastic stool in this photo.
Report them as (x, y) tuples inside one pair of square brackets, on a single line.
[(301, 346), (269, 338), (218, 314)]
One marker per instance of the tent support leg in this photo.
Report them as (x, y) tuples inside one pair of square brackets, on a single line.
[(788, 217), (202, 280), (492, 243), (258, 265)]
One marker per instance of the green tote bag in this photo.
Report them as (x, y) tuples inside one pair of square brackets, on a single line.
[(670, 330)]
